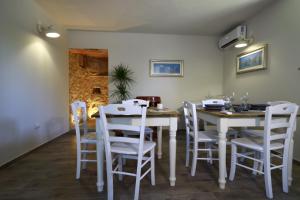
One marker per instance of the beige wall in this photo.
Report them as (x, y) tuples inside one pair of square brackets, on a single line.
[(202, 62), (278, 26), (33, 81)]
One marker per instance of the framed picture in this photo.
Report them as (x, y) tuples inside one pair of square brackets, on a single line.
[(252, 60), (171, 68)]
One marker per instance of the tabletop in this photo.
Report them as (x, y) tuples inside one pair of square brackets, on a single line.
[(245, 114), (151, 112)]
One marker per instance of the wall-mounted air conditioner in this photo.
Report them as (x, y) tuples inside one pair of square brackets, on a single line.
[(233, 36)]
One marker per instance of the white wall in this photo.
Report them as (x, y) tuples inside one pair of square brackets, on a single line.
[(33, 81), (202, 62), (278, 26)]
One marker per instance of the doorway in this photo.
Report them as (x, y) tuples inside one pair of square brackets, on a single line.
[(88, 78)]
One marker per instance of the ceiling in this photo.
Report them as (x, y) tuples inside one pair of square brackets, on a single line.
[(201, 17)]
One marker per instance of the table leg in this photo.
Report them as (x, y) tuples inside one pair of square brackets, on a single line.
[(172, 149), (159, 142), (100, 157), (222, 130)]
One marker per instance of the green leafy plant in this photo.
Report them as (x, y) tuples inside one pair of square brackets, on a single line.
[(122, 78)]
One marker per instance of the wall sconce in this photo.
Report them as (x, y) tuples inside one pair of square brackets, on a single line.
[(243, 42), (49, 31)]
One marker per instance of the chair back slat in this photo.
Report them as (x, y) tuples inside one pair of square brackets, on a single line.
[(124, 139), (122, 109), (279, 125), (138, 102), (123, 127), (274, 103), (278, 137)]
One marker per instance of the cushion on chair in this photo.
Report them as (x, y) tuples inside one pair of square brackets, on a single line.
[(255, 143), (131, 149), (89, 138)]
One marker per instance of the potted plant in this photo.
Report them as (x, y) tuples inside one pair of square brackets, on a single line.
[(122, 78)]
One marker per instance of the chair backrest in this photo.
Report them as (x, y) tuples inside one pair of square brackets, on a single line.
[(274, 103), (190, 118), (122, 110), (136, 102), (79, 116), (288, 110)]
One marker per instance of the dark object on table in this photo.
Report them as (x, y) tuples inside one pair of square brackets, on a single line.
[(216, 107), (153, 100), (261, 107), (238, 108)]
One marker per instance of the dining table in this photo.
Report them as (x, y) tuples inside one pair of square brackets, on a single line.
[(226, 120), (155, 118)]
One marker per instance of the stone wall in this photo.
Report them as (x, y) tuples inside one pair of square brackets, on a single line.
[(88, 78)]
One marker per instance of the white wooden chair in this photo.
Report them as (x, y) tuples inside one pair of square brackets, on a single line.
[(257, 132), (209, 138), (139, 102), (82, 140), (264, 146), (117, 148)]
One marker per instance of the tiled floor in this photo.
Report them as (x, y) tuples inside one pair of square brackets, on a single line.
[(49, 173)]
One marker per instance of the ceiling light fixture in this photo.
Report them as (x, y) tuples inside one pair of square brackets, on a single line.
[(48, 31)]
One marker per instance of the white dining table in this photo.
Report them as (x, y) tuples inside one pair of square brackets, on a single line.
[(225, 121), (155, 118)]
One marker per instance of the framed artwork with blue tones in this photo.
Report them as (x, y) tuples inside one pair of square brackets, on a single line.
[(171, 68), (252, 60)]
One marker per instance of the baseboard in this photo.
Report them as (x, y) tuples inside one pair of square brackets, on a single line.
[(19, 157)]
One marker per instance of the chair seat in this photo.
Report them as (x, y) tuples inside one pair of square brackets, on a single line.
[(131, 149), (258, 133), (89, 138), (255, 143), (206, 136)]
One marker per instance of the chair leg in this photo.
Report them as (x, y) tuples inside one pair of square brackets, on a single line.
[(138, 179), (159, 142), (187, 151), (210, 153), (78, 166), (285, 173), (109, 174), (267, 174), (233, 162), (153, 166), (261, 166), (243, 150), (255, 163), (84, 155), (120, 167), (195, 156), (151, 137)]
